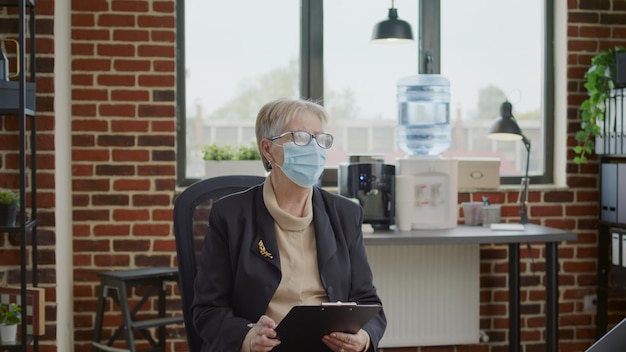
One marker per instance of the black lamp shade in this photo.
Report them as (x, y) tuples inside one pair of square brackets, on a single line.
[(392, 29), (505, 127)]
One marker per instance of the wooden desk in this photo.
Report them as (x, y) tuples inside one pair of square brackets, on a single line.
[(483, 235)]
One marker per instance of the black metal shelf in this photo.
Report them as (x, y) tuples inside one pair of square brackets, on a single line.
[(18, 98), (17, 345), (29, 3), (11, 229)]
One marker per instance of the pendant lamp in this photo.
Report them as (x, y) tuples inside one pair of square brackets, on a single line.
[(393, 29)]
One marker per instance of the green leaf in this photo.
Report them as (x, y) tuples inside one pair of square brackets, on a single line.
[(599, 82)]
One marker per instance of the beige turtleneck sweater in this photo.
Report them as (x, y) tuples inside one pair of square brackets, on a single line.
[(300, 283)]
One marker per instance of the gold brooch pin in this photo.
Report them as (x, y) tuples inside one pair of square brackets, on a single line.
[(264, 251)]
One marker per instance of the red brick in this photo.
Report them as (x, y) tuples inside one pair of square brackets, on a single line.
[(89, 125), (129, 126), (124, 50), (91, 215), (164, 65), (156, 141), (115, 170), (131, 35), (579, 267), (152, 170), (131, 65), (156, 110), (165, 246), (151, 230), (153, 200), (85, 49), (90, 94), (131, 155), (130, 95), (111, 260), (116, 80), (90, 35), (133, 6), (163, 36), (116, 20), (90, 6), (117, 110), (156, 21), (91, 65), (131, 246), (91, 246), (130, 215), (154, 51), (132, 185), (82, 20), (163, 126), (163, 6), (82, 79), (90, 155)]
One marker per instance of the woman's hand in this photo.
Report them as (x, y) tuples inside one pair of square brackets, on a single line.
[(262, 335), (342, 342)]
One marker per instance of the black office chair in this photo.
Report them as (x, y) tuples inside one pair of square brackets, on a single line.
[(191, 216)]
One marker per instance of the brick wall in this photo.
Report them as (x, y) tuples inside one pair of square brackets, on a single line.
[(9, 159), (123, 171), (123, 145)]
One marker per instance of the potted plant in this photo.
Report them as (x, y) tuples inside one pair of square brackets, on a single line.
[(231, 160), (600, 81), (10, 316), (9, 201)]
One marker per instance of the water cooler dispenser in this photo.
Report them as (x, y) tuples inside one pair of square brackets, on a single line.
[(426, 183), (426, 192)]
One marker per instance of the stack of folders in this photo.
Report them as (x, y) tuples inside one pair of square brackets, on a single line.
[(612, 140)]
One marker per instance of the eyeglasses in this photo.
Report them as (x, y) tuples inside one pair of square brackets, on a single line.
[(303, 138)]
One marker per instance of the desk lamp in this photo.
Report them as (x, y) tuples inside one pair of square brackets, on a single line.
[(392, 30), (505, 128)]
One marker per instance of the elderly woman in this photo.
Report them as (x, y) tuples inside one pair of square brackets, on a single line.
[(283, 243)]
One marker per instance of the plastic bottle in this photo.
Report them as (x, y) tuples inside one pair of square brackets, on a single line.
[(423, 114)]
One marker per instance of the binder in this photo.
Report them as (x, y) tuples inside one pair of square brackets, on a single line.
[(303, 327), (623, 251), (616, 253)]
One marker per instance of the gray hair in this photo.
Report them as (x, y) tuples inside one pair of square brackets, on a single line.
[(276, 114)]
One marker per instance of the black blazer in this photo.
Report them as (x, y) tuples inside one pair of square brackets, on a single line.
[(235, 281)]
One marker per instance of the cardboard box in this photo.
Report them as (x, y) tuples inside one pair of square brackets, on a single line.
[(478, 173), (35, 311)]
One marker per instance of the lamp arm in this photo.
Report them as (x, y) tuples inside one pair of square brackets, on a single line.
[(523, 198)]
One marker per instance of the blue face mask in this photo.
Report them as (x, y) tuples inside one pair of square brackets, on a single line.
[(303, 165)]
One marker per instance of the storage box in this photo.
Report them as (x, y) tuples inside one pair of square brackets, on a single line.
[(478, 173), (9, 98)]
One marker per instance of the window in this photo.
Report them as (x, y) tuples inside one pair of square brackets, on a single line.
[(488, 58), (233, 59)]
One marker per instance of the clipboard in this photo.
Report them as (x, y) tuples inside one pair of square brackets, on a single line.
[(303, 327)]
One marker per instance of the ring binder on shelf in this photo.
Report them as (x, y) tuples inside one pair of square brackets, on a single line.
[(612, 140)]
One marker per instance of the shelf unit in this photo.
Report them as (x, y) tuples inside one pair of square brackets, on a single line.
[(611, 268), (17, 98), (611, 147)]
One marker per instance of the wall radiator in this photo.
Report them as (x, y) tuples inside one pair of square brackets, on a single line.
[(430, 293)]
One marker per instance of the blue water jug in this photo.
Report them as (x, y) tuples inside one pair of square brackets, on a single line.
[(424, 114)]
